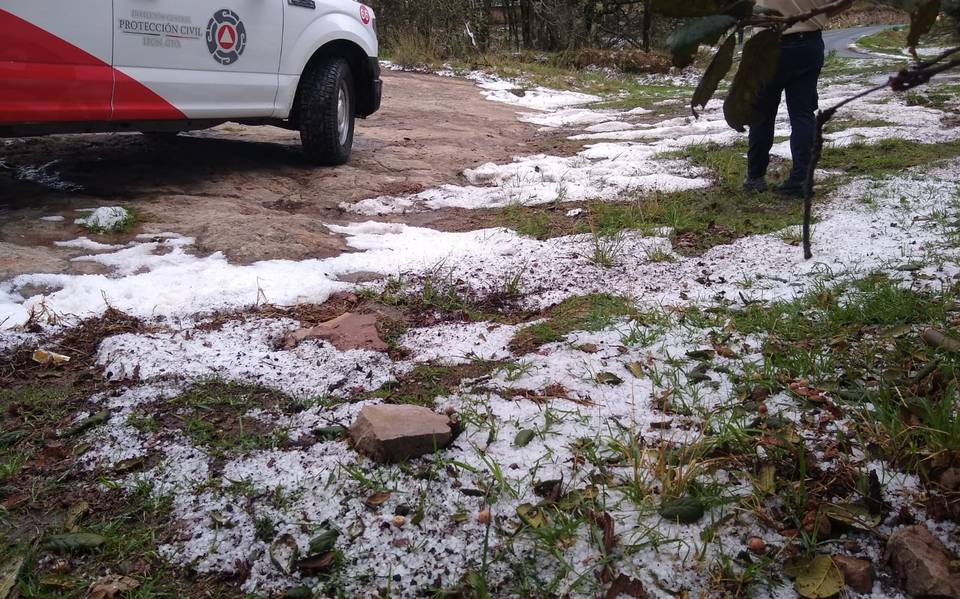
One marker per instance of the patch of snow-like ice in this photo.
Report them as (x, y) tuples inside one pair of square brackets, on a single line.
[(104, 218), (459, 343), (85, 243), (538, 98), (246, 352)]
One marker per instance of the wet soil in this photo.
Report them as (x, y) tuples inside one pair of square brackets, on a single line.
[(247, 191)]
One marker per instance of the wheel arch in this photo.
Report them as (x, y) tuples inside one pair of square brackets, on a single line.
[(361, 68)]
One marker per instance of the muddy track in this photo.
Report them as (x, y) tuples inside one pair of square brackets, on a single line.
[(247, 191)]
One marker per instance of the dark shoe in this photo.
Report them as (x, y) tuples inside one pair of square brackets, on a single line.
[(792, 189), (755, 185)]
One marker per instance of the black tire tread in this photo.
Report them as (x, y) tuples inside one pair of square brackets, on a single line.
[(318, 112)]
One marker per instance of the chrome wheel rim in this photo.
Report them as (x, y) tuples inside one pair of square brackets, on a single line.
[(343, 115)]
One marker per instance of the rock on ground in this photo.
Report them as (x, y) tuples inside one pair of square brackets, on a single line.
[(857, 573), (923, 564), (393, 433), (345, 332)]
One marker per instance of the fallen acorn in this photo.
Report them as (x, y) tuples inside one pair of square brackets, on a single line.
[(399, 521), (756, 545), (483, 517)]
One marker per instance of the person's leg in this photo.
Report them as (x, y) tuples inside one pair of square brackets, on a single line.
[(802, 104), (761, 133)]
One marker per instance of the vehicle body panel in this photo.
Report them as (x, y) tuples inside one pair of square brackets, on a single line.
[(130, 62), (166, 46), (53, 68)]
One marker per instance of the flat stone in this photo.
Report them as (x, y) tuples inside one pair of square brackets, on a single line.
[(345, 332), (857, 573), (393, 433), (923, 564)]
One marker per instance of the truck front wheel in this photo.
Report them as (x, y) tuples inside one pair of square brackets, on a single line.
[(326, 112)]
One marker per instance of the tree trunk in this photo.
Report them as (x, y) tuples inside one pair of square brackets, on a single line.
[(526, 24), (647, 23)]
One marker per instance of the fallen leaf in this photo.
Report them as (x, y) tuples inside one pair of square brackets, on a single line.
[(523, 438), (624, 585), (531, 516), (9, 571), (317, 564), (377, 499), (324, 541), (935, 338), (821, 579), (685, 510), (88, 422), (74, 542), (284, 553), (608, 378), (852, 514), (636, 369), (767, 481), (74, 513), (702, 355), (605, 522), (795, 566), (110, 587), (549, 488)]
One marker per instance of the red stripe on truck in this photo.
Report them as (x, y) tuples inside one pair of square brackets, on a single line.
[(46, 79), (133, 101)]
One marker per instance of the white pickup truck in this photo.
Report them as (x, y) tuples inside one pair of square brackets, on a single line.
[(165, 66)]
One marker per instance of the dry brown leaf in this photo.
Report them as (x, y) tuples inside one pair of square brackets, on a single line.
[(110, 587)]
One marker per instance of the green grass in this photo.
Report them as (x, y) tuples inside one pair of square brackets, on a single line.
[(861, 342), (844, 68), (894, 40), (132, 536), (554, 70), (438, 291), (941, 96), (888, 157), (37, 404), (425, 383), (212, 415), (582, 313), (837, 124), (701, 219), (889, 41)]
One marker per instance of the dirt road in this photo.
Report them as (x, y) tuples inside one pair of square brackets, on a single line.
[(247, 190)]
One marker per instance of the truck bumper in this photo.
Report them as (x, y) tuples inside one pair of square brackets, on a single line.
[(368, 101)]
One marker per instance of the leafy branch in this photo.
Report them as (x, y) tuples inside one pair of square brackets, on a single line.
[(710, 21)]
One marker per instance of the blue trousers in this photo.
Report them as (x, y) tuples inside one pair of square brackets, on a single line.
[(798, 72)]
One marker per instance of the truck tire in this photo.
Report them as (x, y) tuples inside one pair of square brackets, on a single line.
[(326, 112)]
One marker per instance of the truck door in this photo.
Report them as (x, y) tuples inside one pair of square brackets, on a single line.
[(199, 58), (55, 61)]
